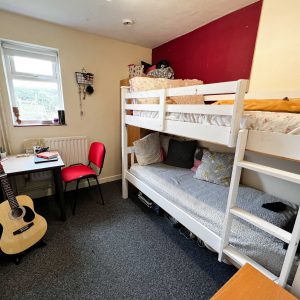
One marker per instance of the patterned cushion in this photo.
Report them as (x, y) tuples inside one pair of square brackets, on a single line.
[(147, 149), (215, 167), (162, 73)]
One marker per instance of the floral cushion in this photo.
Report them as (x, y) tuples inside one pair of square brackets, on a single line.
[(162, 73), (215, 167)]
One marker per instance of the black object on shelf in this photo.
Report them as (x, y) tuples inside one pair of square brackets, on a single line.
[(61, 117)]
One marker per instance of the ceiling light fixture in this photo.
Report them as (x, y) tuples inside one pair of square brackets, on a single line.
[(127, 22)]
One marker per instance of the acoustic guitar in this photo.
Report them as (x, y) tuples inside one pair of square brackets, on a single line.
[(20, 226)]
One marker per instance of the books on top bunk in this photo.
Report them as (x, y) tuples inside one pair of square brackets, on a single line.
[(46, 157)]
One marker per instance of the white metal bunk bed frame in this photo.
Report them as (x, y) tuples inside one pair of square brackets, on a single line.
[(275, 144)]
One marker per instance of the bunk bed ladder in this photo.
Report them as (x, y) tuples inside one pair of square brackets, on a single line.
[(292, 239)]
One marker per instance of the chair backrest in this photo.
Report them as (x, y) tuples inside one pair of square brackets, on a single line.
[(97, 154)]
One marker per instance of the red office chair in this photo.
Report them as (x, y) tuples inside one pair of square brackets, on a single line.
[(80, 171)]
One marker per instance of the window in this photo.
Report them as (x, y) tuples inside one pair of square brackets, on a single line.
[(34, 83)]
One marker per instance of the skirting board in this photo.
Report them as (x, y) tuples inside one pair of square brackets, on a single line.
[(43, 191)]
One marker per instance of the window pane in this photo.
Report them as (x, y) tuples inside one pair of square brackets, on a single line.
[(33, 66), (36, 100)]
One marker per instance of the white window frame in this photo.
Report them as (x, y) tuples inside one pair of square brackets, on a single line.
[(11, 48)]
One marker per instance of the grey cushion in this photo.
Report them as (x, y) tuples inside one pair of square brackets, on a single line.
[(147, 149), (215, 167)]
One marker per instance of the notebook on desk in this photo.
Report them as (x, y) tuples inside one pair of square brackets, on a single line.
[(39, 160)]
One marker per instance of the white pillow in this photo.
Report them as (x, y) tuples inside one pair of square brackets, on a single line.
[(147, 149)]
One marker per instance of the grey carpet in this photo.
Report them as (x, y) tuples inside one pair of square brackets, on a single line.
[(118, 251)]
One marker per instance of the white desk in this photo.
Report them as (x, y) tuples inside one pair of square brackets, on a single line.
[(25, 165), (18, 165)]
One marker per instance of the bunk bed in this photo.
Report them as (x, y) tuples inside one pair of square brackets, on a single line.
[(232, 133)]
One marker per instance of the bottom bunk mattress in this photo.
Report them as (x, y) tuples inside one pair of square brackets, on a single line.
[(279, 122), (206, 202)]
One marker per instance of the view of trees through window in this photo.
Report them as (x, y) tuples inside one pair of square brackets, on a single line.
[(36, 100), (33, 76)]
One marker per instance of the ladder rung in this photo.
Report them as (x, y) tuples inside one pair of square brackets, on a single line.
[(241, 259), (289, 176), (262, 224)]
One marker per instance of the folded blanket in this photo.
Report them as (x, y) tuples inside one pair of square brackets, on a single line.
[(274, 105), (139, 84)]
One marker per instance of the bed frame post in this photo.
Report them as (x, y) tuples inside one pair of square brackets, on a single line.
[(233, 190), (124, 144), (162, 111), (238, 108), (290, 253), (296, 284)]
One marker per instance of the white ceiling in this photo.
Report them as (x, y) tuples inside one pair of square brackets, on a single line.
[(156, 21)]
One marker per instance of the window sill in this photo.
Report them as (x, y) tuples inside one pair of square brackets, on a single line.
[(37, 124)]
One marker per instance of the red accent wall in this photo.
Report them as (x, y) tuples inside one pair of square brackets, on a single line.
[(219, 51)]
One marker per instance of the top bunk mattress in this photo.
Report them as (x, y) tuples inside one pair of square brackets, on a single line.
[(279, 122), (207, 202), (253, 119)]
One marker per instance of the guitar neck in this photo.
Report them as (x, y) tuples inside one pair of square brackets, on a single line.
[(8, 191)]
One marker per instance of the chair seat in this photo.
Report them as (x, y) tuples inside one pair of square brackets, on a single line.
[(76, 172)]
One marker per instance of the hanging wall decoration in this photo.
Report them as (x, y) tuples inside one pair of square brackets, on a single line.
[(85, 86)]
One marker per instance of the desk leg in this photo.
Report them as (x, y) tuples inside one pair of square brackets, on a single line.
[(59, 192)]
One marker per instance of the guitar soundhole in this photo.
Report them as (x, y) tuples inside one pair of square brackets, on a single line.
[(17, 212), (29, 214)]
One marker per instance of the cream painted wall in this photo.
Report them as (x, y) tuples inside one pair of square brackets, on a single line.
[(276, 68), (106, 58), (276, 63)]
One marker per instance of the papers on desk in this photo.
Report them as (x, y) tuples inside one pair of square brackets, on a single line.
[(48, 154), (44, 157), (39, 160)]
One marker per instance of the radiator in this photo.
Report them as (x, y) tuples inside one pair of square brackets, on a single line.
[(72, 149)]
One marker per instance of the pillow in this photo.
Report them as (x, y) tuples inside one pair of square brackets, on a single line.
[(147, 149), (151, 69), (215, 167), (197, 159), (197, 163), (162, 73), (164, 143), (146, 66), (198, 153), (181, 153)]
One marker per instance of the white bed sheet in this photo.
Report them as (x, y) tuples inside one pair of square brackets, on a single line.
[(287, 123), (207, 203)]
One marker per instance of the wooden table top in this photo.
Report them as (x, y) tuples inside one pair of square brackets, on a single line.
[(249, 284)]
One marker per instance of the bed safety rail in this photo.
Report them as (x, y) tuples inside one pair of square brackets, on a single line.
[(211, 92)]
